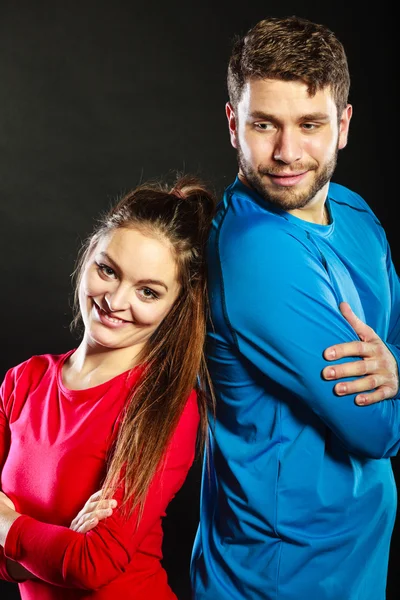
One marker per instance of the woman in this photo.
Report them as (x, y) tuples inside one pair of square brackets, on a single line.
[(120, 412)]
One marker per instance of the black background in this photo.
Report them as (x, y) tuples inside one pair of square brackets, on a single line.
[(98, 96)]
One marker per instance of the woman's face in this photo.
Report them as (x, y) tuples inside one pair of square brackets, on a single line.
[(129, 285)]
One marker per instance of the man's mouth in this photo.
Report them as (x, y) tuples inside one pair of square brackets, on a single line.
[(287, 179)]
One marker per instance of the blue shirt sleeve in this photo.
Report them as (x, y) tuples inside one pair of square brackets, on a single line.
[(282, 312), (393, 339)]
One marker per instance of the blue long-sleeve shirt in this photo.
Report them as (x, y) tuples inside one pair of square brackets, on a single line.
[(299, 500)]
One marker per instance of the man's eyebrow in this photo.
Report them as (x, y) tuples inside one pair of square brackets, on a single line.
[(141, 281), (259, 114), (316, 116)]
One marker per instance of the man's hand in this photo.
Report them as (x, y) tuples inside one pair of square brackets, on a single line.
[(377, 371), (95, 510)]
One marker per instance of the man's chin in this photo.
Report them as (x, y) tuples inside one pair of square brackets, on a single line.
[(284, 198)]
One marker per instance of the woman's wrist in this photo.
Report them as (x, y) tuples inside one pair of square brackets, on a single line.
[(7, 518)]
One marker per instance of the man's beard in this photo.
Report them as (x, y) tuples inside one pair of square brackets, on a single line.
[(286, 198)]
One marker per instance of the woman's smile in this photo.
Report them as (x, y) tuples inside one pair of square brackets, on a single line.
[(108, 319)]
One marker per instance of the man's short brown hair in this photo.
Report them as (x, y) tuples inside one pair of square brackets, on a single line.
[(290, 49)]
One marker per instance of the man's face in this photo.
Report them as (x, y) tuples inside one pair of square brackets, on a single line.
[(287, 141)]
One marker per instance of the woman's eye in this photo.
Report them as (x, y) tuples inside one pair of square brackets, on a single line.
[(148, 294), (106, 270)]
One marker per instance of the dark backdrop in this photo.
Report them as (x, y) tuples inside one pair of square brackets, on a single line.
[(96, 96)]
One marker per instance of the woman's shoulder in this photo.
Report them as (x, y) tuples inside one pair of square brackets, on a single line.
[(31, 370)]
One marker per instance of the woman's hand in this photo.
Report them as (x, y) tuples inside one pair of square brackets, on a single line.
[(94, 510)]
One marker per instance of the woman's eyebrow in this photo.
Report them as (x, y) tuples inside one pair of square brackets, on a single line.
[(142, 281)]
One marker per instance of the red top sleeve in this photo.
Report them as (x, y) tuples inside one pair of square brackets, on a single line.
[(65, 558), (4, 445)]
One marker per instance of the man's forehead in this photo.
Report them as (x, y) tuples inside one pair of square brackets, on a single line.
[(264, 95)]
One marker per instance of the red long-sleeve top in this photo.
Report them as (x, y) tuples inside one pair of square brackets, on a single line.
[(53, 448)]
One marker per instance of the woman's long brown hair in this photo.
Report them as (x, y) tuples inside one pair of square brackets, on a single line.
[(173, 358)]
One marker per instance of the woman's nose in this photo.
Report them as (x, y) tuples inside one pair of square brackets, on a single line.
[(117, 300)]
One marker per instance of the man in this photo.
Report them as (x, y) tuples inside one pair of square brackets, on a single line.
[(298, 496)]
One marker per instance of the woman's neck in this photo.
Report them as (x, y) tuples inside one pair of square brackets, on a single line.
[(91, 365)]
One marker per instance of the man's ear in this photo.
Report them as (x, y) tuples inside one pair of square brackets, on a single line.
[(232, 123), (344, 125)]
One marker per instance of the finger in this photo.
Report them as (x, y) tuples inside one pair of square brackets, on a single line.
[(363, 330), (90, 509), (356, 348), (364, 384), (100, 504), (382, 393), (78, 523), (74, 524), (107, 503), (92, 500), (357, 368), (87, 525), (96, 496), (103, 513), (376, 387), (79, 520)]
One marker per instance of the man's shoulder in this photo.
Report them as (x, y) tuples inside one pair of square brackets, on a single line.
[(243, 241), (241, 199), (242, 215), (343, 195)]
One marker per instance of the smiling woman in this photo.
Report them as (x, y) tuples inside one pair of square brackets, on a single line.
[(123, 301), (120, 412)]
